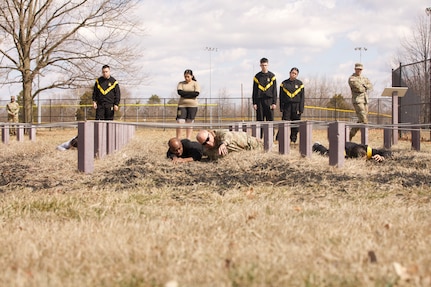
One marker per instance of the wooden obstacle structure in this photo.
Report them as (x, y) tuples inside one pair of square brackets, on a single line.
[(96, 139), (337, 134), (19, 128)]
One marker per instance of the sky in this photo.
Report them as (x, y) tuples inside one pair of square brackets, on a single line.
[(317, 36)]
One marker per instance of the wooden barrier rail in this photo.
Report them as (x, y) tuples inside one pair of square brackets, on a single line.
[(96, 139), (337, 134), (19, 128)]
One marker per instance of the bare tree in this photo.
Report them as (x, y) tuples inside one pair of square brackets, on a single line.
[(60, 43), (414, 57)]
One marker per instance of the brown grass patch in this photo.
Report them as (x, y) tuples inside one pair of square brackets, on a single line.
[(250, 219)]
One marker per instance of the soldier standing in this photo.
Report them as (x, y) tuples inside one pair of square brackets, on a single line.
[(359, 85), (106, 95), (292, 97), (264, 93), (12, 114)]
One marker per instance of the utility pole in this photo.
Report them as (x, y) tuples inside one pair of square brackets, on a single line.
[(210, 50)]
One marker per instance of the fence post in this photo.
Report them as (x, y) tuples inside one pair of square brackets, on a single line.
[(336, 135), (305, 138), (387, 138), (268, 136), (395, 119), (110, 137), (86, 147), (32, 135), (364, 135), (256, 130), (283, 138), (245, 127), (5, 134), (347, 133), (99, 139), (19, 132), (416, 138)]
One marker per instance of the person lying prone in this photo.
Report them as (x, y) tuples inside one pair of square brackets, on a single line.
[(354, 150)]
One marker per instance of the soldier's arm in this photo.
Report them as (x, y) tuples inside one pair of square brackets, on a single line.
[(227, 138), (368, 85), (356, 86)]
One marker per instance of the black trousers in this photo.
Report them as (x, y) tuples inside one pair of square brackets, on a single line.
[(291, 113), (105, 112), (264, 111)]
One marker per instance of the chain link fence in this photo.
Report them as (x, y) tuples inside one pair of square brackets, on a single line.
[(209, 111), (414, 107)]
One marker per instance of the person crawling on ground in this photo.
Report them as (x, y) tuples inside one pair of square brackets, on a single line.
[(354, 150), (218, 143), (184, 150), (72, 143)]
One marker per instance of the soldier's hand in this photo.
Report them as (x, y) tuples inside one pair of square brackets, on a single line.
[(378, 158), (222, 150), (176, 160), (94, 105), (115, 108)]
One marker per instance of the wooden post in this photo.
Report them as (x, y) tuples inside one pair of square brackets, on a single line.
[(416, 138), (110, 137), (268, 136), (364, 135), (86, 147), (100, 139), (387, 138), (5, 137), (284, 138), (336, 135), (19, 132), (245, 127), (395, 119), (347, 133), (32, 135), (256, 130), (305, 138)]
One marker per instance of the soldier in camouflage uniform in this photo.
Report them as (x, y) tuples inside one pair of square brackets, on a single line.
[(359, 85), (218, 143), (12, 114)]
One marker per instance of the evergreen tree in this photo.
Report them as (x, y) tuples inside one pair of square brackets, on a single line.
[(339, 102), (85, 110)]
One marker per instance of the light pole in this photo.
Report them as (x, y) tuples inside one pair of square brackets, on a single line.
[(360, 52), (210, 50)]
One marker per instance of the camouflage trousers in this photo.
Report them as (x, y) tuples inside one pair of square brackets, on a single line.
[(12, 128), (361, 110)]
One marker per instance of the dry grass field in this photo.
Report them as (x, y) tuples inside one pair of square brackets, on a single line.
[(250, 219)]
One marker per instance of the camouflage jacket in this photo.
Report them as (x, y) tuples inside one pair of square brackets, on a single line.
[(359, 85), (12, 109), (234, 141)]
